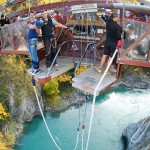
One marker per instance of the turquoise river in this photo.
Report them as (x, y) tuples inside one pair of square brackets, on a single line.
[(114, 110)]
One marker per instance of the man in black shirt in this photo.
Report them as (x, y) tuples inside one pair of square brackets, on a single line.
[(4, 20), (113, 34), (47, 27)]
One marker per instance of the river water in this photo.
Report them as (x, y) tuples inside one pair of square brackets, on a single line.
[(114, 110)]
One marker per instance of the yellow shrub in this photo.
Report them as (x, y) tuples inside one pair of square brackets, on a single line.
[(51, 88), (81, 69), (3, 114), (64, 78)]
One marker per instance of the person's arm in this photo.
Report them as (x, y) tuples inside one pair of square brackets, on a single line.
[(58, 24), (37, 30), (61, 25), (36, 27), (118, 32)]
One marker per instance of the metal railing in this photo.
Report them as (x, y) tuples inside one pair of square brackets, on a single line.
[(56, 56), (85, 51)]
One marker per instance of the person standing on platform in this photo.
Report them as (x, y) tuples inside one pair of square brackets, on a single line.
[(47, 27), (113, 34), (4, 20), (33, 31)]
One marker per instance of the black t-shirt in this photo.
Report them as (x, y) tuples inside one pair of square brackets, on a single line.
[(47, 29), (5, 21), (113, 31)]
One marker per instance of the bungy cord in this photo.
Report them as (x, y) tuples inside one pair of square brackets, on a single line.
[(94, 98), (49, 132)]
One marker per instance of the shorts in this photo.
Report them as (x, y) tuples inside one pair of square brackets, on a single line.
[(110, 48)]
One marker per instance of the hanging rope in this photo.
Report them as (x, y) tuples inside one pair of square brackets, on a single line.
[(49, 132), (78, 128), (135, 141), (92, 37), (83, 125), (94, 98)]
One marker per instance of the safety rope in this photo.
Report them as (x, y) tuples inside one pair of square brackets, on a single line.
[(79, 120), (135, 141), (49, 50), (87, 33), (95, 93), (78, 128), (49, 132), (83, 125), (92, 37)]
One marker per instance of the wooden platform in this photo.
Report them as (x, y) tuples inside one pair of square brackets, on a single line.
[(64, 64), (88, 80)]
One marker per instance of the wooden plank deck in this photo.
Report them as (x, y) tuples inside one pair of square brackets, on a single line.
[(88, 80), (64, 64)]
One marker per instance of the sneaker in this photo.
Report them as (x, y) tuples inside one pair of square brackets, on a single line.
[(108, 73), (35, 71), (31, 70), (98, 70)]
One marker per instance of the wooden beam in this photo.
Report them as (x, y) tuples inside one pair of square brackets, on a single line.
[(119, 70), (86, 37), (146, 33), (14, 52), (134, 62)]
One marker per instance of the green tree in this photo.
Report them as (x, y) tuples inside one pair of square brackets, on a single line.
[(14, 78)]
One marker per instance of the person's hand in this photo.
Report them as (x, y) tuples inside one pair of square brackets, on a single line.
[(32, 26), (69, 28), (119, 44)]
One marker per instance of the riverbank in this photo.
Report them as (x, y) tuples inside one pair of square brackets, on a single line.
[(29, 108)]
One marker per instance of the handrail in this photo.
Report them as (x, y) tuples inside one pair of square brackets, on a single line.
[(49, 70), (92, 43)]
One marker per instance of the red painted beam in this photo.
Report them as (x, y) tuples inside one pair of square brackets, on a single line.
[(44, 80), (134, 62)]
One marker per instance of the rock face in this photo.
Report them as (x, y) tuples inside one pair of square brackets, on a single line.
[(26, 110), (134, 80), (144, 142), (64, 103), (29, 106)]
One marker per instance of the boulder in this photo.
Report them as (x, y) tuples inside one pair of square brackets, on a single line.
[(135, 142)]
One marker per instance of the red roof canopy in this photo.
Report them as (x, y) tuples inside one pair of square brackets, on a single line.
[(18, 1)]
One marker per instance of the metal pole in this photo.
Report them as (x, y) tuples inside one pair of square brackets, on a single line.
[(29, 7)]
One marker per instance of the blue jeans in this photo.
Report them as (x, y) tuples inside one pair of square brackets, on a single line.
[(32, 48)]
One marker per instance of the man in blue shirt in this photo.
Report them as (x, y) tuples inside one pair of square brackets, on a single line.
[(47, 27), (33, 31)]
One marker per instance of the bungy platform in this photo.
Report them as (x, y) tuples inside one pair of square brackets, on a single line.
[(64, 64), (88, 80)]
